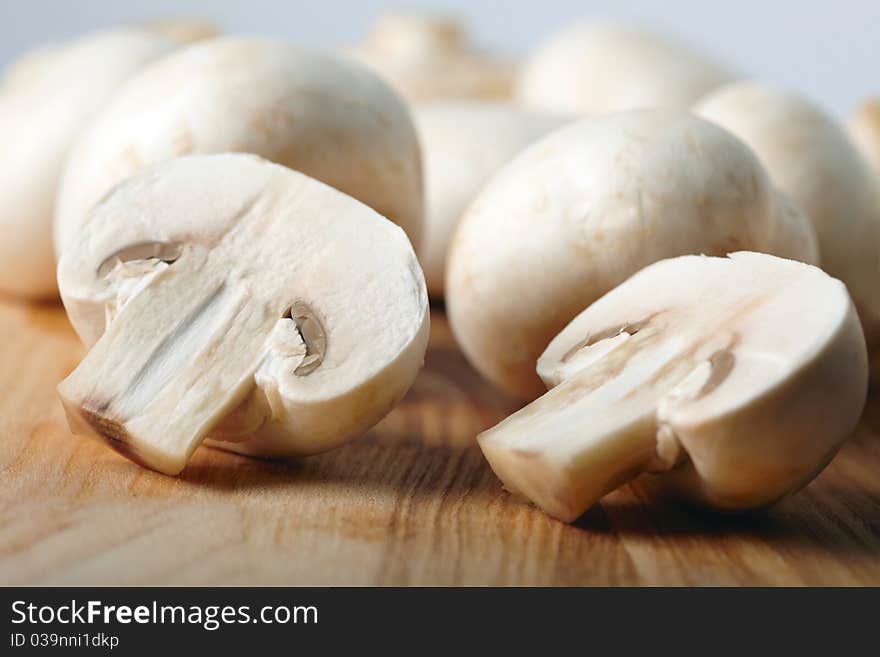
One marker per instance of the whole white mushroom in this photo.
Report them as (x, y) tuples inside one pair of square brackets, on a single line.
[(428, 57), (47, 97), (582, 209), (319, 114), (463, 144), (594, 68)]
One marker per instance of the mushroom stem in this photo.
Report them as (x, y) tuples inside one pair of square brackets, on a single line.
[(566, 484), (566, 450), (609, 418), (155, 394)]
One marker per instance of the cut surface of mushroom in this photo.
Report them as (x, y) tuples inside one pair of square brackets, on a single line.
[(47, 98), (744, 377), (244, 302), (463, 144), (428, 57), (595, 68), (810, 158), (582, 209), (315, 113)]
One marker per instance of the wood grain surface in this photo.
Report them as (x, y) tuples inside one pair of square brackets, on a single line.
[(413, 502)]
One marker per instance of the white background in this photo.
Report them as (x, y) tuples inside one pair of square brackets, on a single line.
[(828, 50)]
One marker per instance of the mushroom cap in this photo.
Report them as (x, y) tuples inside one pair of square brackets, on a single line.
[(427, 57), (463, 143), (205, 338), (582, 209), (594, 68), (864, 128), (314, 113), (183, 29), (46, 98), (809, 157), (738, 387)]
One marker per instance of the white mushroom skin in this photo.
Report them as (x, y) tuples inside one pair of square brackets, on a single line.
[(864, 128), (315, 113), (243, 301), (463, 144), (582, 209), (427, 57), (46, 98), (809, 157), (736, 378), (595, 68), (183, 30)]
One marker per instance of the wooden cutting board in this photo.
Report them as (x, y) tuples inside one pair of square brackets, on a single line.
[(411, 503)]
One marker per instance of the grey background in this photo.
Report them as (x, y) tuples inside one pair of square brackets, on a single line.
[(828, 50)]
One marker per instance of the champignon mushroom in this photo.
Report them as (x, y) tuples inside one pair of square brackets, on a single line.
[(594, 68), (46, 98), (809, 157), (428, 57), (463, 144), (183, 30), (738, 385), (246, 301), (314, 113), (582, 209), (864, 128)]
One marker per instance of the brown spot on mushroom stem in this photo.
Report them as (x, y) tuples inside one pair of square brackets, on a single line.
[(112, 431), (104, 425)]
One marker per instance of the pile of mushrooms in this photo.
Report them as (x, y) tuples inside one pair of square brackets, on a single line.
[(675, 271)]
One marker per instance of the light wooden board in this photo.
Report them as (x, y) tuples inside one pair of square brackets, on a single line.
[(411, 503)]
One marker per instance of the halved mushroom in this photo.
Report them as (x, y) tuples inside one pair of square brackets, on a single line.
[(463, 144), (428, 57), (594, 68), (46, 98), (314, 113), (247, 302), (809, 156), (582, 209), (864, 128), (737, 378)]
